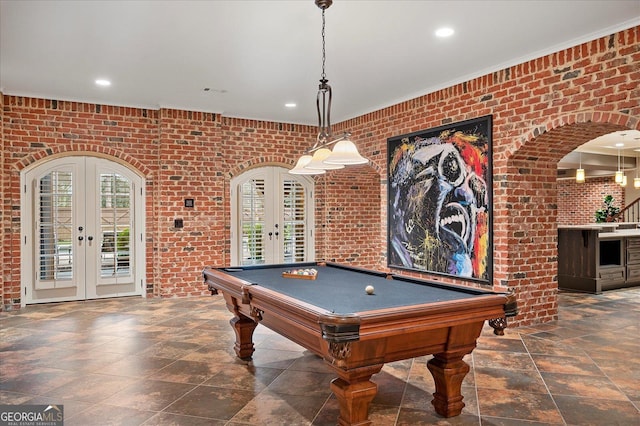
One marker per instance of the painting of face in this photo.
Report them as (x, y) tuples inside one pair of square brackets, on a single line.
[(439, 200)]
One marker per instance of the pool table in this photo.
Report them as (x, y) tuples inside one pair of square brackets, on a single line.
[(331, 314)]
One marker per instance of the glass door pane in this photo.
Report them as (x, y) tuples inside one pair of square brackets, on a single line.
[(252, 204), (55, 260), (294, 221), (115, 225)]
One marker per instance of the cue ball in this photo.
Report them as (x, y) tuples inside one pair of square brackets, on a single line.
[(369, 289)]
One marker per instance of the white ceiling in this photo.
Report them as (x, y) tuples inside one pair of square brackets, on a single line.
[(604, 155), (627, 141), (255, 56)]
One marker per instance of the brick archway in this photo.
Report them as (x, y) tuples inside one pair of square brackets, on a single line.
[(526, 208), (83, 149), (271, 160)]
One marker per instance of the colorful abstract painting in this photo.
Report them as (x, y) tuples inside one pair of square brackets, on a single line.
[(440, 200)]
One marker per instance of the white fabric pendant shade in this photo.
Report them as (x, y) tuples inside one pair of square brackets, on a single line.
[(317, 161), (345, 152), (300, 168)]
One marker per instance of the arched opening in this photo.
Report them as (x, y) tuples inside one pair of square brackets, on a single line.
[(272, 217), (526, 208), (83, 226)]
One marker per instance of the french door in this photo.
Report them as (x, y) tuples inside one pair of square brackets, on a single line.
[(82, 227), (272, 217)]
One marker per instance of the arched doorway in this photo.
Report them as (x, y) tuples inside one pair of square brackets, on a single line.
[(82, 228), (526, 209), (272, 217)]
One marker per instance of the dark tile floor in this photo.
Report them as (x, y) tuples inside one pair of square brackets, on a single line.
[(164, 362)]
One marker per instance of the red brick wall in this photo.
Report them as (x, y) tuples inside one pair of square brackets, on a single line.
[(181, 156), (578, 202), (200, 153), (35, 129), (348, 218), (542, 110), (189, 168)]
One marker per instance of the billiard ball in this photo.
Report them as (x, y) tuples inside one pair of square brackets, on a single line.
[(369, 289)]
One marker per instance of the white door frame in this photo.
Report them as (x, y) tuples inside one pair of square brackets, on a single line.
[(27, 228), (274, 173)]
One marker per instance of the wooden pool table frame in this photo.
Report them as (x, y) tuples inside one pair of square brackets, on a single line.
[(357, 345)]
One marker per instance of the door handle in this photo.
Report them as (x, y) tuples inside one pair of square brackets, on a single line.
[(90, 238), (80, 238)]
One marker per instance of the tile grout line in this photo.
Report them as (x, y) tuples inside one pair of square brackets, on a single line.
[(555, 404)]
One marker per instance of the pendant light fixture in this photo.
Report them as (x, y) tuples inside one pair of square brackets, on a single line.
[(619, 174), (636, 180), (301, 167), (344, 150), (580, 172), (317, 161)]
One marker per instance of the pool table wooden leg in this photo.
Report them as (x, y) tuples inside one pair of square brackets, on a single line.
[(448, 373), (448, 369), (354, 391), (244, 328)]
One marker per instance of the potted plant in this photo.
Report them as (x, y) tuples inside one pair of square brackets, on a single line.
[(608, 212)]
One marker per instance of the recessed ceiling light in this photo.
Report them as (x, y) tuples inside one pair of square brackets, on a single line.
[(103, 82), (290, 105), (620, 144), (444, 32)]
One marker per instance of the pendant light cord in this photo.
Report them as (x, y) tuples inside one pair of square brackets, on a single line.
[(323, 76)]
